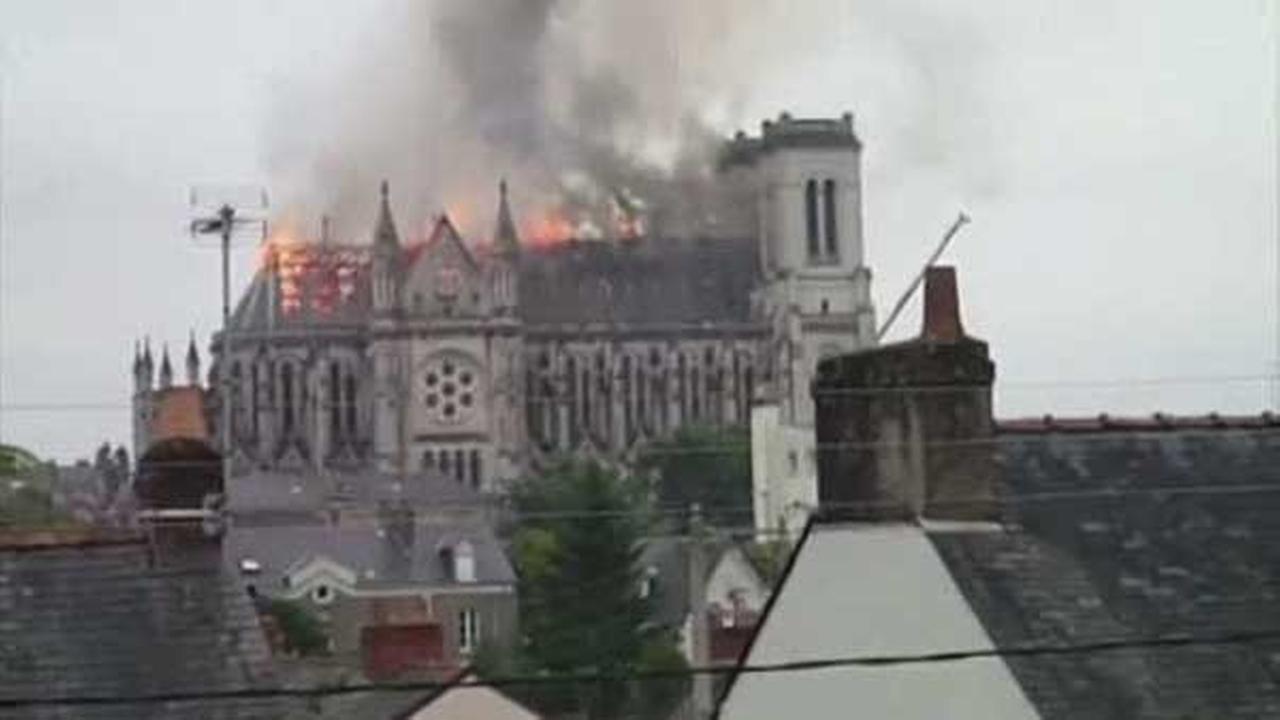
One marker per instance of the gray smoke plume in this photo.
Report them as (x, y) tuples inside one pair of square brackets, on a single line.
[(586, 107)]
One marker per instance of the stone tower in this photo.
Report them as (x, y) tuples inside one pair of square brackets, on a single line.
[(806, 179), (509, 434), (386, 349)]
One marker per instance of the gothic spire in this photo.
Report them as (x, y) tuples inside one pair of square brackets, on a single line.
[(507, 239), (193, 361), (384, 233), (166, 370)]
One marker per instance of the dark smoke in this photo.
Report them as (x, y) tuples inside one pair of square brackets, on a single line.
[(588, 107)]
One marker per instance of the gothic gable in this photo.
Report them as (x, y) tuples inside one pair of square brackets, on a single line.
[(444, 279)]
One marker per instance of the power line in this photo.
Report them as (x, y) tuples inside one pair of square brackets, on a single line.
[(1266, 427), (1118, 383), (1169, 641)]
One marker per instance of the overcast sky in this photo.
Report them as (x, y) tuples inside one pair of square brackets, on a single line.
[(1118, 158)]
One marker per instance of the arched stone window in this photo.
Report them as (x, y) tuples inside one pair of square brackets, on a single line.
[(830, 208), (335, 387), (352, 405), (811, 219), (477, 478), (286, 397), (571, 387)]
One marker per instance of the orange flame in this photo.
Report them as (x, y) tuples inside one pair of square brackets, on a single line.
[(550, 228)]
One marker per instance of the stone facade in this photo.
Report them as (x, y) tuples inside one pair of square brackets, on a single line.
[(481, 359)]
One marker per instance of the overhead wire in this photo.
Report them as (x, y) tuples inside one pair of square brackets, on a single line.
[(1029, 650)]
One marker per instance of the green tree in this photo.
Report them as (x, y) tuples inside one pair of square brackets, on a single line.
[(707, 465), (576, 553), (303, 632)]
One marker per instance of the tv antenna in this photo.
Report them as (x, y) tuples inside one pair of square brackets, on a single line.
[(960, 221), (226, 211)]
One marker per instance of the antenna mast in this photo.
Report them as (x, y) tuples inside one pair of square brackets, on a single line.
[(960, 221), (223, 222)]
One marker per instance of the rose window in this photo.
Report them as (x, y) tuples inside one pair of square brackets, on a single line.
[(451, 391)]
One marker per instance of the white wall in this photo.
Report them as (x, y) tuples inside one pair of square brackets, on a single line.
[(874, 590), (782, 495)]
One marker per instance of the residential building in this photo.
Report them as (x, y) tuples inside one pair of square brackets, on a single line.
[(397, 595), (965, 567), (136, 623), (723, 584)]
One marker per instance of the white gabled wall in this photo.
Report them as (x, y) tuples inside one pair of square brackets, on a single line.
[(782, 496), (873, 590)]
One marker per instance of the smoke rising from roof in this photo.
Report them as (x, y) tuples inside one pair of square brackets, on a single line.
[(581, 105)]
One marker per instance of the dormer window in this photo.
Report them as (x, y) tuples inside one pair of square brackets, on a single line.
[(459, 561), (464, 562), (649, 582)]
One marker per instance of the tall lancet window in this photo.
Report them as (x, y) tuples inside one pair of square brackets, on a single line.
[(829, 214), (335, 428), (352, 406), (811, 218), (286, 397)]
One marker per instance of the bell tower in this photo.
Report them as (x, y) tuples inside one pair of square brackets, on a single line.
[(806, 176)]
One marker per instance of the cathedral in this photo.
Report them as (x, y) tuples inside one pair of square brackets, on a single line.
[(482, 359)]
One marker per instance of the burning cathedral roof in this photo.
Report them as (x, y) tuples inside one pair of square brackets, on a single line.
[(636, 282)]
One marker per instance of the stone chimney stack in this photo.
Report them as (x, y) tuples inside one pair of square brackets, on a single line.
[(905, 431)]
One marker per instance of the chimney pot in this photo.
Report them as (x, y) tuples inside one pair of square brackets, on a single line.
[(941, 306)]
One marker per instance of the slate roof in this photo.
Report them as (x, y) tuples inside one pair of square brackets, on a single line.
[(1124, 530), (93, 618), (377, 556), (644, 282), (1190, 544), (263, 493)]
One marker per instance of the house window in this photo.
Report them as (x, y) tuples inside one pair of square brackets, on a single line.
[(649, 582), (322, 594), (468, 630)]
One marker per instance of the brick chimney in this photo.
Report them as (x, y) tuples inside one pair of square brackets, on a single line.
[(905, 431), (941, 307)]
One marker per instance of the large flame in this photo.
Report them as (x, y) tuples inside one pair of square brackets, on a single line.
[(550, 227)]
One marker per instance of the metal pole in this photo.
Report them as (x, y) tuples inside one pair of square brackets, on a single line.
[(227, 215), (961, 219)]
